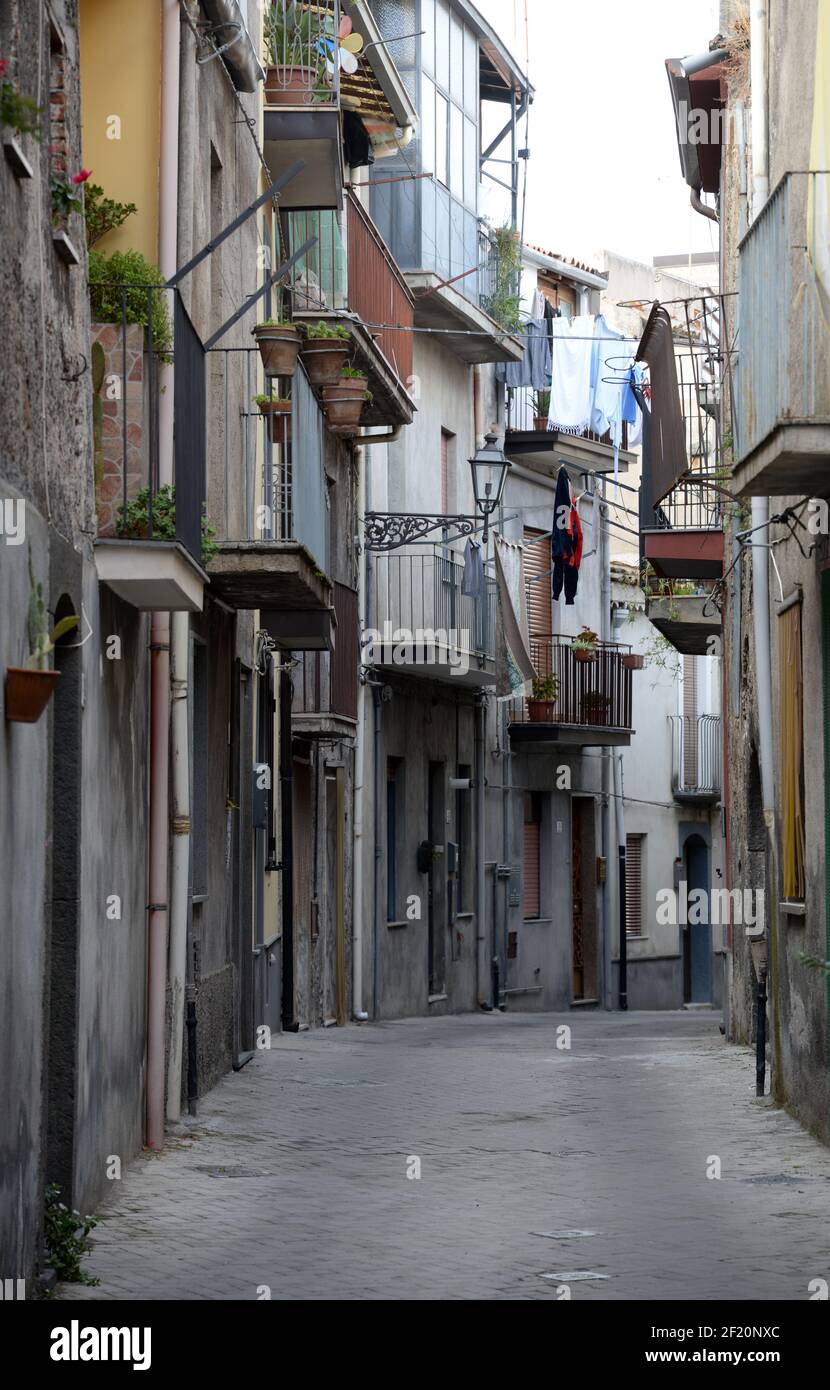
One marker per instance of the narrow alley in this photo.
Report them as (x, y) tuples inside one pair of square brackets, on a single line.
[(540, 1167)]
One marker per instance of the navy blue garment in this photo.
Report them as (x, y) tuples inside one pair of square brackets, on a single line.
[(560, 541)]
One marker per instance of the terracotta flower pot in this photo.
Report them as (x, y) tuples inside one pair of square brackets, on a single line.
[(280, 420), (294, 86), (323, 360), (344, 403), (27, 693), (584, 654), (540, 711), (594, 714), (540, 422), (279, 346), (633, 661)]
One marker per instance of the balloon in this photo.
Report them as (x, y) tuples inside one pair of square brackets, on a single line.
[(353, 43)]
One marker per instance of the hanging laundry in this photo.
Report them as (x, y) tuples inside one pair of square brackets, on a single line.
[(357, 147), (537, 308), (534, 368), (570, 392), (472, 583), (565, 541), (515, 667)]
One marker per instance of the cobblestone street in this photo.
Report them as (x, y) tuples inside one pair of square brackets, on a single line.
[(538, 1167)]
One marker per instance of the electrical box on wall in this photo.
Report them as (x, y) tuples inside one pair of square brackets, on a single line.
[(601, 868)]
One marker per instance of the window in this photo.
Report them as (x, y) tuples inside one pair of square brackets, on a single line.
[(531, 875), (441, 138), (393, 788), (634, 854), (792, 754), (199, 770), (536, 557)]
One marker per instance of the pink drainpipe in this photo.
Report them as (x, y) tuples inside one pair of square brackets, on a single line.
[(160, 629)]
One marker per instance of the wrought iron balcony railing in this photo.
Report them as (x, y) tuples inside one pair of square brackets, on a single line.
[(302, 63), (138, 333), (696, 757), (422, 621), (591, 689), (783, 374)]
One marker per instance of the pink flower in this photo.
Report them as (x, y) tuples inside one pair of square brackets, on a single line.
[(81, 176), (4, 66)]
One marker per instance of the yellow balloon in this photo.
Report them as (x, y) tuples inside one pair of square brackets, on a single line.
[(352, 43)]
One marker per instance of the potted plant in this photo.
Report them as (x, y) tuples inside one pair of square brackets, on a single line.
[(278, 341), (595, 707), (297, 39), (277, 409), (132, 521), (28, 687), (540, 707), (325, 348), (541, 409), (633, 661), (344, 402), (584, 647)]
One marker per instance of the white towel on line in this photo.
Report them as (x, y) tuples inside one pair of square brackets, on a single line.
[(570, 392)]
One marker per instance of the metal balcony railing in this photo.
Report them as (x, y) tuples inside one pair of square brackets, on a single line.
[(783, 343), (327, 682), (140, 334), (269, 491), (589, 693), (350, 269), (696, 755), (523, 412), (301, 53), (419, 597)]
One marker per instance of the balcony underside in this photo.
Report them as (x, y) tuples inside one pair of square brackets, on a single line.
[(683, 623), (569, 735), (692, 796), (391, 404), (337, 727), (692, 554), (153, 576), (546, 450), (793, 460), (441, 664), (310, 133), (464, 328), (269, 574)]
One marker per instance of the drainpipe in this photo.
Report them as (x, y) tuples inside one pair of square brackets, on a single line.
[(359, 767), (179, 891), (160, 627), (377, 697), (287, 851), (482, 973), (760, 515), (620, 823), (600, 511)]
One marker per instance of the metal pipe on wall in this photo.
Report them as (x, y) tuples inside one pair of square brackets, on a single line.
[(180, 885), (482, 974), (377, 698), (287, 851), (359, 767)]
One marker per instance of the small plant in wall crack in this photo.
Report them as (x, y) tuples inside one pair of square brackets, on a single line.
[(67, 195), (65, 1234), (17, 112)]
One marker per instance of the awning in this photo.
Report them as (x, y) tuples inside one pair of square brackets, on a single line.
[(699, 98), (667, 432)]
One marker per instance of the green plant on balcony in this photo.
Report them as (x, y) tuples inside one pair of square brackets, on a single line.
[(277, 411), (351, 373), (595, 706), (329, 332), (297, 41), (103, 214), (541, 408), (584, 645), (504, 303), (132, 519), (119, 284), (278, 341), (540, 705), (29, 687), (17, 112)]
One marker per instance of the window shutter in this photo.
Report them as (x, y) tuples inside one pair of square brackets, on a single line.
[(537, 563), (633, 885), (445, 472), (531, 887), (690, 721)]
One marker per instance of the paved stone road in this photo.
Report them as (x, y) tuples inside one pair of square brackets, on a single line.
[(534, 1162)]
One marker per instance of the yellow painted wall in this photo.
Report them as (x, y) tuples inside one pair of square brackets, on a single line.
[(121, 77)]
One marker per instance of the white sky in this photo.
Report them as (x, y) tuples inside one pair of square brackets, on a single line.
[(604, 170)]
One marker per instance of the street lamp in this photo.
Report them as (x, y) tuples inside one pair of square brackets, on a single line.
[(489, 469)]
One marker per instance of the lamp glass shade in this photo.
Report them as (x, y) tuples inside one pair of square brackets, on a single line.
[(489, 469)]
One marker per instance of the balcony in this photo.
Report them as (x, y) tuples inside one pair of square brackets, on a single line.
[(268, 506), (528, 441), (350, 277), (424, 625), (686, 539), (692, 622), (696, 759), (782, 416), (149, 537), (592, 706), (458, 306), (325, 685), (302, 102)]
